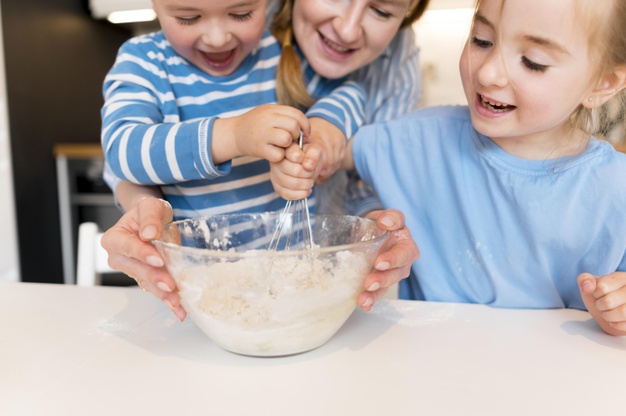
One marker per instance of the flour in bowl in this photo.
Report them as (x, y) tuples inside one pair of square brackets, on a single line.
[(273, 305)]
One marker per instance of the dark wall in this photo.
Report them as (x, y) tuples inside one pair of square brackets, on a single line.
[(56, 58)]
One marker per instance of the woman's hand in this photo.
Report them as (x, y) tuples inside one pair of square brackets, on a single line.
[(399, 252), (605, 299), (130, 250)]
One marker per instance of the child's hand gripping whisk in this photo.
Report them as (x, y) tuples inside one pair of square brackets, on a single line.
[(294, 224)]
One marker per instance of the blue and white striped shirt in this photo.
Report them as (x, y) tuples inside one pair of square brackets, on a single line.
[(158, 116)]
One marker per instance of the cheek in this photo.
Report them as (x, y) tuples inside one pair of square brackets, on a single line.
[(304, 15), (464, 69), (378, 39), (251, 37)]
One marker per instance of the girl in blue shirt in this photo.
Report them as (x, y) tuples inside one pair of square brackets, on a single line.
[(512, 197)]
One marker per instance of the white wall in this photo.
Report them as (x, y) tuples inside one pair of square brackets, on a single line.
[(441, 34), (9, 266)]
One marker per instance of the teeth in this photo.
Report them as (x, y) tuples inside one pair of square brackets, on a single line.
[(494, 105), (334, 46)]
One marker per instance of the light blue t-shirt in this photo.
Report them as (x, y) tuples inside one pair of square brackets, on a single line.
[(493, 228)]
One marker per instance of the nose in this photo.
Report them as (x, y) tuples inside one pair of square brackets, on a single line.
[(349, 23), (215, 35), (493, 71)]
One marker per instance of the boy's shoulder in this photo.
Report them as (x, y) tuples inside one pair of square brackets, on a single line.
[(145, 43)]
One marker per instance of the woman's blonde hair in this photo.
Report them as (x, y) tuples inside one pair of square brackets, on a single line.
[(290, 87)]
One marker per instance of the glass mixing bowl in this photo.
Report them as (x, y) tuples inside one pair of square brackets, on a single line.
[(254, 301)]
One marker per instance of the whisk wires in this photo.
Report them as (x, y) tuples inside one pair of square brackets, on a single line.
[(294, 224)]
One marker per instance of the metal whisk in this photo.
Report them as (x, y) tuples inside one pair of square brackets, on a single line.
[(294, 224)]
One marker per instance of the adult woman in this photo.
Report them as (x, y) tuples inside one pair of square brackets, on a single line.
[(338, 38)]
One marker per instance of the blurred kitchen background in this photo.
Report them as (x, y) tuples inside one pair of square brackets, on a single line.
[(54, 55)]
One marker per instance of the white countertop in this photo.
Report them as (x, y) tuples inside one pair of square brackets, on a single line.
[(66, 350)]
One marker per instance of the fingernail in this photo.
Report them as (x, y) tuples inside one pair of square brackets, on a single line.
[(586, 285), (180, 313), (149, 232), (387, 222), (373, 287), (154, 261), (163, 287), (382, 266), (368, 302)]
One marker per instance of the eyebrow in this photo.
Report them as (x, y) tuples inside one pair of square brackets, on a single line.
[(546, 43), (397, 3), (538, 40), (242, 3)]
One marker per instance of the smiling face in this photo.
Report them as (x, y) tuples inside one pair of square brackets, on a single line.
[(341, 36), (216, 36), (525, 69)]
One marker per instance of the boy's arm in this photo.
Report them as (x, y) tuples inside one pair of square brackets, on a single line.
[(142, 141)]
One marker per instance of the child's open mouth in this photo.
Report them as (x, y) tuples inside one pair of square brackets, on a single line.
[(495, 106), (219, 59)]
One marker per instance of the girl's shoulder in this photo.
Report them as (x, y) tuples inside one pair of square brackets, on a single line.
[(445, 112), (608, 166), (445, 117)]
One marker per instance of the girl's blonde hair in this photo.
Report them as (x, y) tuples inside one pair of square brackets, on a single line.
[(290, 87), (607, 41)]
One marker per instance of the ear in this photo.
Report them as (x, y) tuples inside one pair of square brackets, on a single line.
[(610, 85)]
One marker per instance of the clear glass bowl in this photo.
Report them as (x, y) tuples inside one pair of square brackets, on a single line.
[(254, 301)]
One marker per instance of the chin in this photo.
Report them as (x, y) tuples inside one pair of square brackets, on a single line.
[(332, 71)]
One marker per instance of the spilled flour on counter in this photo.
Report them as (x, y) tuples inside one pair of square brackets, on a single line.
[(274, 305)]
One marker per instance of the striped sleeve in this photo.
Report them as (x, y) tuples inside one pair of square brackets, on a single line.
[(393, 82), (344, 107), (142, 142), (393, 86)]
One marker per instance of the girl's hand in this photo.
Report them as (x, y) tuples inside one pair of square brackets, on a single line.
[(264, 132), (605, 299), (394, 263), (130, 250)]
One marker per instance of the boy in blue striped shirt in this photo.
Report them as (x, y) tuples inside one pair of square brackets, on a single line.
[(192, 108)]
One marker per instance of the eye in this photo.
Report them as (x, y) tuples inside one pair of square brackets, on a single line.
[(243, 16), (187, 20), (533, 66), (381, 13), (481, 43)]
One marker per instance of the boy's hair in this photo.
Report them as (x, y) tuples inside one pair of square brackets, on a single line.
[(290, 88), (607, 42)]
